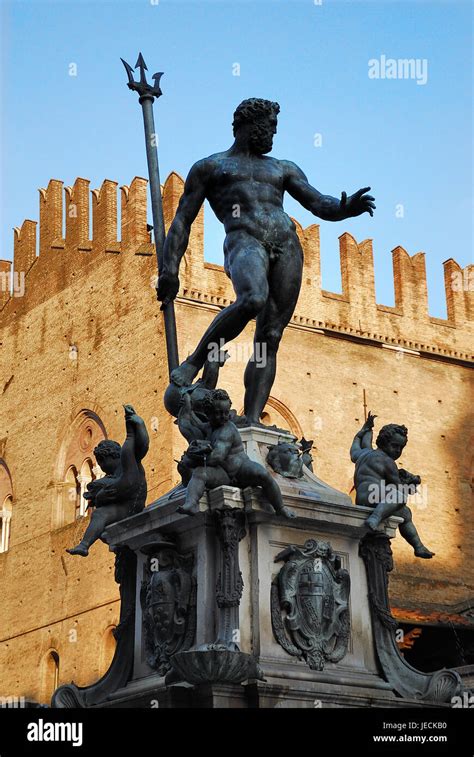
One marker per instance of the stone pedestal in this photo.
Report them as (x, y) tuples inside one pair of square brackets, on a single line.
[(219, 622)]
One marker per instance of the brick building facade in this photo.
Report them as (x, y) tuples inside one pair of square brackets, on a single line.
[(81, 333)]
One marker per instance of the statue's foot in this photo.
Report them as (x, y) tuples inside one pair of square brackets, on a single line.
[(184, 374), (372, 523), (424, 552), (285, 512), (80, 549), (185, 510), (244, 421)]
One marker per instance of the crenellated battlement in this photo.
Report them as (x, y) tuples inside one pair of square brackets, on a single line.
[(79, 228)]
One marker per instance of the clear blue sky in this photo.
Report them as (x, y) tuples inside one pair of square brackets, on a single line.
[(411, 143)]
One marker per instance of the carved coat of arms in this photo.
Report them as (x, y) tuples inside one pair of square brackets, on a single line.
[(168, 598), (309, 604)]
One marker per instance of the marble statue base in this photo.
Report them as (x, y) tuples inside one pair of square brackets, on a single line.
[(217, 621)]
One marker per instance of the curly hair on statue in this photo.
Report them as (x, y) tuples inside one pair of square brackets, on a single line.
[(107, 447), (387, 433), (216, 395), (252, 110)]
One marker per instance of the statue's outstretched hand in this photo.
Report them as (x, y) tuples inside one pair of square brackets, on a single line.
[(167, 287), (356, 204)]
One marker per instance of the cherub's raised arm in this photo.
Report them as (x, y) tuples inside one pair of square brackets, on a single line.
[(137, 440), (363, 438), (324, 206), (142, 440)]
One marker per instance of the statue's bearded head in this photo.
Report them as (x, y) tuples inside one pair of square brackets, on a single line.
[(392, 440), (259, 120), (285, 459)]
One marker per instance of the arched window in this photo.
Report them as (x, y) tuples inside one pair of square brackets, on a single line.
[(84, 477), (76, 467), (6, 502), (50, 674), (72, 494)]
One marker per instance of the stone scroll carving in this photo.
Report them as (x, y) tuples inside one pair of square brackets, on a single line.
[(439, 686)]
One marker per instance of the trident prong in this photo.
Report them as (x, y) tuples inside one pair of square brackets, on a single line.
[(142, 86), (142, 66), (156, 78), (129, 71)]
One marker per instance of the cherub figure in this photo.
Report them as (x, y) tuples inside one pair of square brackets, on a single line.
[(383, 486), (122, 491), (218, 457)]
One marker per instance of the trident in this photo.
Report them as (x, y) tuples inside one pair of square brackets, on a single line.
[(147, 93)]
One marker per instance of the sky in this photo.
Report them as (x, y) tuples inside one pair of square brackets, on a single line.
[(344, 123)]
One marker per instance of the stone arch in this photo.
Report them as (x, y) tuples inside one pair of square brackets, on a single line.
[(76, 467), (278, 414), (6, 505)]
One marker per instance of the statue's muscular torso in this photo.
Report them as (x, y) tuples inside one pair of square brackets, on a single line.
[(246, 194)]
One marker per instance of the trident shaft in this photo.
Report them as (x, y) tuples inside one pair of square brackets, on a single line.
[(147, 93)]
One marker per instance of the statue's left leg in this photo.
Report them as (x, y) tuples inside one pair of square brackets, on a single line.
[(100, 519), (409, 532), (248, 266), (284, 280)]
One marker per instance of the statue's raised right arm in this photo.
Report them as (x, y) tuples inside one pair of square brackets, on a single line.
[(363, 438)]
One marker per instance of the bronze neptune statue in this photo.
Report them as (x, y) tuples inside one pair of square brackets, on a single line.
[(262, 253)]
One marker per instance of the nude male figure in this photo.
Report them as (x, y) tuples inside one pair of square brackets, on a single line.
[(263, 256)]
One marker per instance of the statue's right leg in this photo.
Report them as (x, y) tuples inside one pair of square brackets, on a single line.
[(409, 532), (248, 267)]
